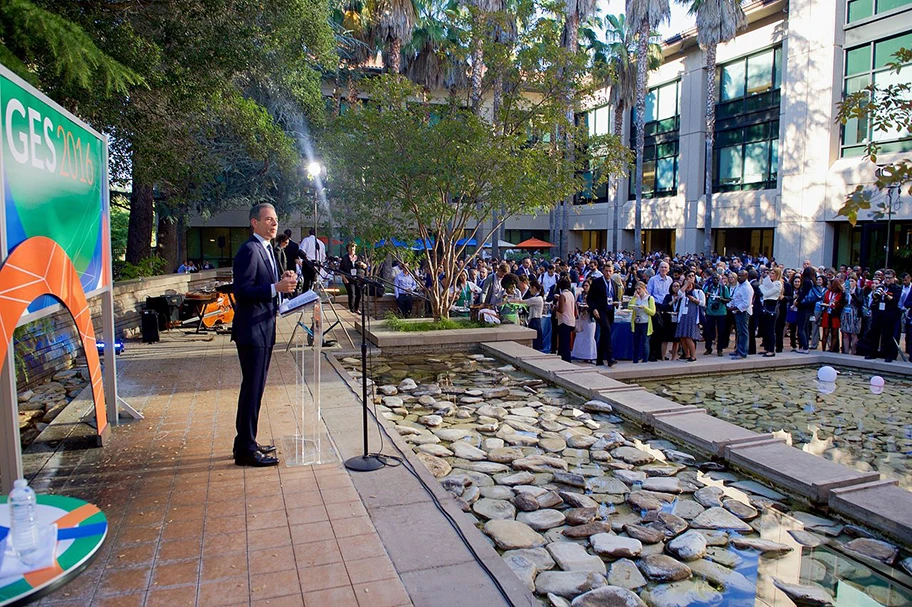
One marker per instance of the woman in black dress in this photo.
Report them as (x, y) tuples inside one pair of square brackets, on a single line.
[(669, 311), (347, 269)]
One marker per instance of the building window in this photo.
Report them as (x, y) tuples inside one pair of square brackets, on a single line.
[(660, 154), (747, 158), (599, 121), (746, 148), (862, 9), (866, 65)]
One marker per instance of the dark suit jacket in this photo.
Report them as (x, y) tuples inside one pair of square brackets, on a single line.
[(291, 255), (255, 307), (598, 298)]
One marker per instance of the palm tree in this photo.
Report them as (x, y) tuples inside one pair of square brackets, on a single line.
[(644, 17), (393, 24), (618, 54), (430, 60), (718, 21), (480, 9), (350, 21), (576, 13)]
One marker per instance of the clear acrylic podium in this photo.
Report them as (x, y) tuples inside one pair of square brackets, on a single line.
[(311, 443)]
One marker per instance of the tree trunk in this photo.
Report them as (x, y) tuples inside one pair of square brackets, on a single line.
[(642, 73), (572, 38), (167, 239), (710, 138), (619, 132), (477, 73), (394, 58), (139, 231)]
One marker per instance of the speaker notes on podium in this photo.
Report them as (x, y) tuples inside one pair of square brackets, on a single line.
[(292, 305)]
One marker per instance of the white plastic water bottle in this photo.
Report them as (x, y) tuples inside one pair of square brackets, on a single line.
[(23, 525)]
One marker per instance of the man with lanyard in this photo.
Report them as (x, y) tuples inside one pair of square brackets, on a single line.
[(658, 287), (884, 317), (314, 251), (602, 299), (742, 305)]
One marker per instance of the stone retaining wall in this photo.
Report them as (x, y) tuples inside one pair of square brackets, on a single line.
[(50, 344)]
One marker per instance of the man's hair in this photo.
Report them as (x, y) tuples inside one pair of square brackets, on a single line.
[(281, 239), (255, 210), (287, 233)]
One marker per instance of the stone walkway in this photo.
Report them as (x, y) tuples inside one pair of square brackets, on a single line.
[(187, 526)]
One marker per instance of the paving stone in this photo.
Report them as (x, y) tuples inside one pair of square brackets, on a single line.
[(570, 556)]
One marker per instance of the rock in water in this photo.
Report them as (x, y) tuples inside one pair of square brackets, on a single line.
[(587, 530), (682, 594), (568, 584), (542, 520), (407, 385), (431, 420), (709, 497), (717, 575), (524, 569), (804, 595), (494, 509), (766, 547), (580, 516), (806, 538), (540, 557), (615, 546), (873, 549), (570, 556), (526, 502), (720, 518), (608, 596), (437, 466), (464, 450), (624, 573), (689, 546), (647, 535), (664, 568), (740, 509), (632, 456), (512, 535), (578, 500)]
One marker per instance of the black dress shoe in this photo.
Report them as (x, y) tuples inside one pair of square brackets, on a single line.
[(256, 460), (265, 448)]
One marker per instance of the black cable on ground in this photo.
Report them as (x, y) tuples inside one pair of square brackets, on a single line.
[(402, 460)]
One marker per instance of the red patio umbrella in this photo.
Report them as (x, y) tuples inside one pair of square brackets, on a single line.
[(533, 243), (323, 239)]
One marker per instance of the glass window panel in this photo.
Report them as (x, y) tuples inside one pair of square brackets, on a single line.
[(883, 50), (858, 60), (726, 138), (599, 121), (888, 5), (732, 81), (730, 165), (649, 174), (651, 106), (665, 174), (668, 101), (855, 131), (760, 73), (859, 9), (665, 150), (777, 68), (885, 79), (774, 159), (756, 132), (756, 162)]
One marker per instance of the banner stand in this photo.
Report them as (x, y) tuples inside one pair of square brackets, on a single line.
[(113, 401)]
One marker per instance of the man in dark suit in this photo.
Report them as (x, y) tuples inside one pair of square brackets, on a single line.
[(257, 284), (291, 252), (602, 298)]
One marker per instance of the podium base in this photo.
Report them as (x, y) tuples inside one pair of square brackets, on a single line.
[(307, 451), (364, 463)]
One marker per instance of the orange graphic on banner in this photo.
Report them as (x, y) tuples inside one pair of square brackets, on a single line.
[(39, 266)]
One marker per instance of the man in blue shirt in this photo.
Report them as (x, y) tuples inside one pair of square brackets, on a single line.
[(658, 287), (742, 306)]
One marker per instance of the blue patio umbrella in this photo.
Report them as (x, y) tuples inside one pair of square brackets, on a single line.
[(423, 244), (393, 241), (470, 242)]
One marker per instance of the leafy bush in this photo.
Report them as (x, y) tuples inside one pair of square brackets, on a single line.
[(403, 325)]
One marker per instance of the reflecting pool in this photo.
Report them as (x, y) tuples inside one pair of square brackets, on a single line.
[(846, 421), (575, 499)]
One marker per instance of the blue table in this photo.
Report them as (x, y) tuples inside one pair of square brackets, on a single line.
[(621, 338)]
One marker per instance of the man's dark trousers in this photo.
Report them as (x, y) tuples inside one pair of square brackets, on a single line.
[(254, 371)]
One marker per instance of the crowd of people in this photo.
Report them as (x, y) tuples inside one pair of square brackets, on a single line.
[(741, 305)]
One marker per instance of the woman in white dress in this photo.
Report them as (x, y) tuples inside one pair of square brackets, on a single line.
[(584, 348)]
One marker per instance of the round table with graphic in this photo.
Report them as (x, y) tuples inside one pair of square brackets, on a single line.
[(81, 530)]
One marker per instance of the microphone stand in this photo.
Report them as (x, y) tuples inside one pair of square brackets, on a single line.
[(365, 462)]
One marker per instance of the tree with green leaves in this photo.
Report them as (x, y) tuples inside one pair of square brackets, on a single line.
[(644, 16), (885, 109), (718, 21), (411, 168)]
